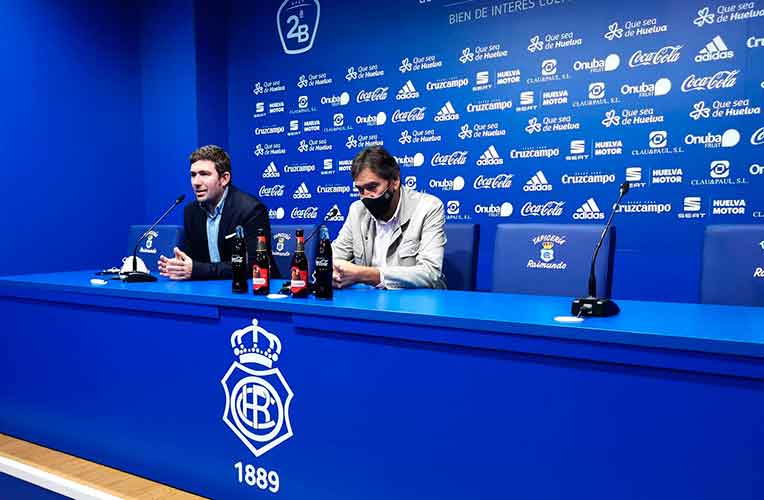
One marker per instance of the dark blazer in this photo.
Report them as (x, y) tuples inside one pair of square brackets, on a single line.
[(240, 209)]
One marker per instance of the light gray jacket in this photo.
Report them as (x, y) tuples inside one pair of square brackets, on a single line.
[(415, 255)]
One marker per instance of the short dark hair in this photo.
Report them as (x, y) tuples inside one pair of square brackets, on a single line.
[(215, 154), (378, 160)]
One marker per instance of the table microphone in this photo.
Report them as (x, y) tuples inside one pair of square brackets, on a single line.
[(136, 276), (593, 305)]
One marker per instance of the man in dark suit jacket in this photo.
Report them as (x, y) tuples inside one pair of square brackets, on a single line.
[(205, 253)]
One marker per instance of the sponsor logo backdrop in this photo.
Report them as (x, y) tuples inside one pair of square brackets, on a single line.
[(538, 108)]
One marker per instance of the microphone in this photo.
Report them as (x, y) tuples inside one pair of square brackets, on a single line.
[(136, 276), (593, 305)]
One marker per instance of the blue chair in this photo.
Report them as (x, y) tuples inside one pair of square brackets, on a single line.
[(160, 241), (283, 244), (733, 265), (460, 259), (551, 259)]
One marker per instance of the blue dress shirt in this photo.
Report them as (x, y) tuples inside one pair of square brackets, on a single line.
[(213, 226)]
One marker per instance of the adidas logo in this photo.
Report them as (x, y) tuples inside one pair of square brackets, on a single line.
[(589, 211), (715, 50), (490, 157), (446, 113), (271, 172), (407, 92), (302, 192), (537, 183)]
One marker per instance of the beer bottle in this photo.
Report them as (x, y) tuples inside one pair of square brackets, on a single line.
[(261, 268), (323, 269), (299, 269), (239, 262)]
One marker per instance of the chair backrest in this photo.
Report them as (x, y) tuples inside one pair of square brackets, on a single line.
[(160, 241), (283, 244), (460, 259), (551, 259), (733, 265)]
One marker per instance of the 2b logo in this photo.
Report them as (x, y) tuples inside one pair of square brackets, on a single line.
[(298, 20)]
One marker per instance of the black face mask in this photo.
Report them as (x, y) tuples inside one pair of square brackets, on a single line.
[(380, 205)]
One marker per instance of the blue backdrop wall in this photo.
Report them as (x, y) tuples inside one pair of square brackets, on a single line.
[(104, 104), (185, 87), (531, 111), (510, 112), (70, 135), (169, 104)]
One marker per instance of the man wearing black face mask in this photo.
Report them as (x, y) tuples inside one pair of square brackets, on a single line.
[(393, 237)]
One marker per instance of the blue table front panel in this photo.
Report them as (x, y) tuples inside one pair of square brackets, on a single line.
[(373, 417)]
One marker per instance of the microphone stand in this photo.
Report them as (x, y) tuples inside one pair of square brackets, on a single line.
[(593, 305), (136, 276)]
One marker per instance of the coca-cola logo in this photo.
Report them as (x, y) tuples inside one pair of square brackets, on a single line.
[(548, 209), (412, 115), (721, 80), (322, 262), (277, 190), (305, 213), (376, 95), (501, 181), (455, 158), (668, 54)]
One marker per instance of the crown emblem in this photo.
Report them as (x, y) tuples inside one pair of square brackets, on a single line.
[(548, 245), (260, 346)]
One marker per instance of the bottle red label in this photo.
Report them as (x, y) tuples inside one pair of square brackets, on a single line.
[(260, 278), (299, 280)]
